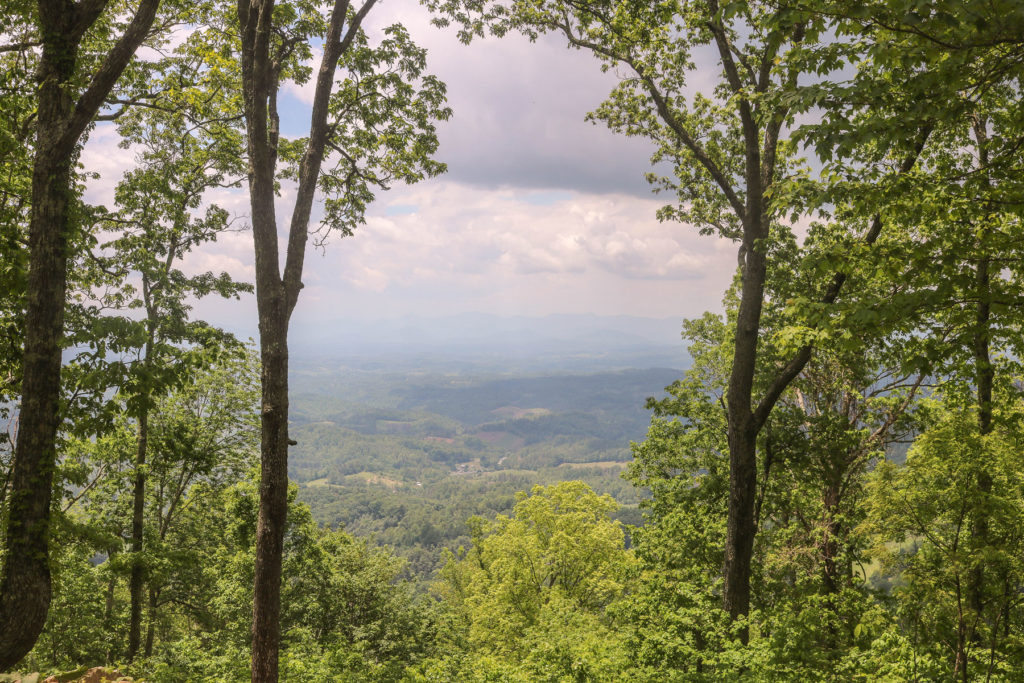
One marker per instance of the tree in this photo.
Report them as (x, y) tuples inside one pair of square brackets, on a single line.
[(923, 517), (184, 156), (534, 588), (378, 126), (346, 611), (949, 65), (836, 419), (68, 99), (734, 165), (202, 441)]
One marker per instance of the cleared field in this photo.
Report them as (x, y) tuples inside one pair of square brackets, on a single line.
[(377, 479), (601, 465)]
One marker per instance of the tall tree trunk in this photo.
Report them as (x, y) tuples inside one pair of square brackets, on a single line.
[(25, 586), (61, 121), (137, 579), (744, 417), (273, 491), (276, 296), (984, 377), (273, 325), (743, 428)]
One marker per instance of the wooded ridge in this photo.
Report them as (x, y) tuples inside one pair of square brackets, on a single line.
[(832, 490)]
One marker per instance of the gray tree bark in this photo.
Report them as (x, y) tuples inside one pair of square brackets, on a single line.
[(277, 294), (25, 583)]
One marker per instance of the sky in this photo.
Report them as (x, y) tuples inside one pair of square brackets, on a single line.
[(540, 212)]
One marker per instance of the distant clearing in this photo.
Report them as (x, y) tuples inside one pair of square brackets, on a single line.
[(503, 440), (516, 413), (471, 467), (601, 465), (377, 479), (508, 474)]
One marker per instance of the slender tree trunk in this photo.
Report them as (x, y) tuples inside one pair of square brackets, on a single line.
[(984, 377), (276, 295), (25, 587), (830, 568), (743, 429), (273, 324), (137, 579), (108, 614), (154, 595), (259, 87), (830, 542), (960, 669), (273, 492), (760, 147)]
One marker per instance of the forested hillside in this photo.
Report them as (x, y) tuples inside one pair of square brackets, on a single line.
[(403, 478), (450, 446)]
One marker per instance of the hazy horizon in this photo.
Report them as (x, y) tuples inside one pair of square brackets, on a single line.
[(572, 342)]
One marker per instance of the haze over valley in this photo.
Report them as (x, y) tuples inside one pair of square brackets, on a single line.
[(406, 428)]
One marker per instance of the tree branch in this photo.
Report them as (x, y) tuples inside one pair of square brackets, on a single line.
[(104, 79), (18, 47), (335, 45), (666, 114), (793, 368)]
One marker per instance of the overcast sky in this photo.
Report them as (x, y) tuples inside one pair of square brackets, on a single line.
[(540, 212)]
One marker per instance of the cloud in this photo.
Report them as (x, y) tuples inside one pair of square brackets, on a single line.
[(467, 248), (305, 92), (103, 156), (217, 263), (518, 110), (540, 212)]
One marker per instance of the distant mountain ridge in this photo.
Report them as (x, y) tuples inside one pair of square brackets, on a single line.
[(574, 342)]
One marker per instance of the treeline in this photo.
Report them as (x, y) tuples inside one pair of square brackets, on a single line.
[(416, 521), (617, 396), (865, 161)]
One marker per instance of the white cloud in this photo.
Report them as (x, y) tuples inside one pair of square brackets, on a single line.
[(540, 212), (305, 92), (217, 263), (102, 155), (467, 248)]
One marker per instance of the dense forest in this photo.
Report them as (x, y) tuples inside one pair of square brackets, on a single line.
[(407, 461), (834, 490)]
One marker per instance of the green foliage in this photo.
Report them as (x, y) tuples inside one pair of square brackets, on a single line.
[(531, 596), (344, 609), (202, 440), (866, 567), (921, 518)]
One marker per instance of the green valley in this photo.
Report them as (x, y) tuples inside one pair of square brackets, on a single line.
[(407, 457)]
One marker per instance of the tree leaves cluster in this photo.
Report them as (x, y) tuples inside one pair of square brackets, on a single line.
[(873, 307), (836, 486)]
